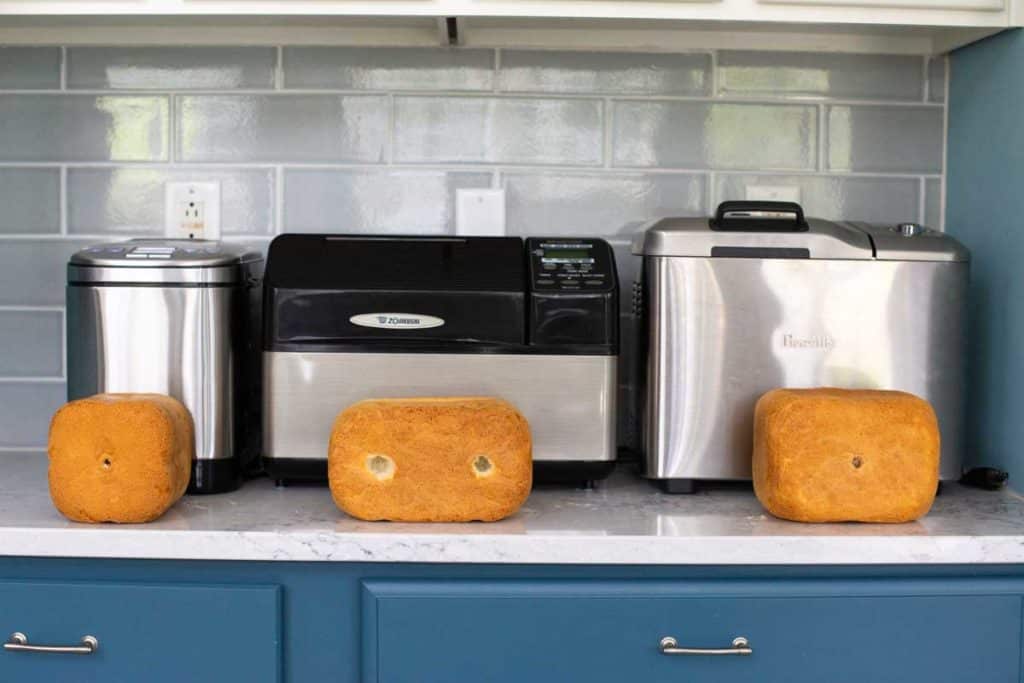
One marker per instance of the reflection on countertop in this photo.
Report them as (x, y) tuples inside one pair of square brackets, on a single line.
[(626, 521)]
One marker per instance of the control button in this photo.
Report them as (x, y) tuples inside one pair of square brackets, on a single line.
[(162, 256), (545, 282), (549, 266), (115, 250), (910, 229), (594, 282)]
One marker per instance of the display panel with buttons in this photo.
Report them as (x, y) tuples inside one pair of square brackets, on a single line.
[(570, 265)]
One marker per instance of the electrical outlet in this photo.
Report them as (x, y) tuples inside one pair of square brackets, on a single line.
[(192, 210), (479, 211), (773, 193)]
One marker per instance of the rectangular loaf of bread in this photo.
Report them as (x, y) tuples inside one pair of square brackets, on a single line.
[(430, 459), (119, 457), (836, 455)]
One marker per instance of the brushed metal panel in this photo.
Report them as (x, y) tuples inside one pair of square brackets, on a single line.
[(724, 331), (165, 340), (568, 400)]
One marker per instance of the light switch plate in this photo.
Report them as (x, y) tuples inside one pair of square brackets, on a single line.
[(192, 210), (773, 193), (479, 211)]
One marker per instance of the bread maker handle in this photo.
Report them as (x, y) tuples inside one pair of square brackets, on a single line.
[(759, 216)]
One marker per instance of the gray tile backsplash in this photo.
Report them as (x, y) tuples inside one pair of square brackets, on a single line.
[(353, 139), (170, 68), (29, 68), (397, 202), (806, 74), (130, 201), (83, 127), (705, 135), (30, 201), (498, 130), (605, 72), (38, 338), (357, 68)]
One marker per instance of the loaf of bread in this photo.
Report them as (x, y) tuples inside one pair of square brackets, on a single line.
[(119, 457), (430, 460), (835, 455)]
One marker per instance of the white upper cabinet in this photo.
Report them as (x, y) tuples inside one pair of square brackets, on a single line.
[(881, 26)]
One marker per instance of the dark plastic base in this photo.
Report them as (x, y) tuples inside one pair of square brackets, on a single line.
[(582, 474), (683, 486), (214, 476), (284, 471)]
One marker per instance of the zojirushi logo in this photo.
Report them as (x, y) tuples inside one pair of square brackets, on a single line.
[(396, 321)]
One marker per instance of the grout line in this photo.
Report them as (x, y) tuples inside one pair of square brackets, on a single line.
[(710, 191), (497, 178), (25, 449), (31, 380), (921, 201), (945, 147), (608, 121), (278, 226), (31, 309), (64, 344), (63, 68), (713, 77), (926, 85), (497, 70), (172, 122), (279, 69), (822, 162), (390, 154), (62, 200)]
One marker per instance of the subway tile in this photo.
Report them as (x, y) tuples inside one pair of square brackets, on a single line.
[(605, 72), (83, 128), (809, 74), (497, 130), (360, 68), (28, 407), (604, 205), (933, 203), (171, 68), (937, 79), (885, 139), (398, 202), (32, 343), (716, 136), (130, 201), (882, 200), (29, 68), (30, 198), (32, 272), (275, 128)]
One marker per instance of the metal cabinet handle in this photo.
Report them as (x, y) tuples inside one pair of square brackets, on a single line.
[(18, 642), (740, 646)]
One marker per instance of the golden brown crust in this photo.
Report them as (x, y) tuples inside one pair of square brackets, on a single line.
[(837, 455), (418, 460), (119, 457)]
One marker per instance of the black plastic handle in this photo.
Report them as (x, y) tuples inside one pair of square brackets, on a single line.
[(750, 216)]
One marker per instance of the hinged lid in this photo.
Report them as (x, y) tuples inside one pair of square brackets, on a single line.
[(160, 261)]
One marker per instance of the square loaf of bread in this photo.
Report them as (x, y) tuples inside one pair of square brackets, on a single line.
[(119, 457), (836, 455), (430, 460)]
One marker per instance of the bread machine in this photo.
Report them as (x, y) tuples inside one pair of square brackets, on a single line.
[(175, 317), (532, 321), (758, 298)]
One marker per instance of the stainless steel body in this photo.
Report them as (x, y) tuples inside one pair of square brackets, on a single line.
[(723, 331), (569, 400), (179, 318), (164, 340)]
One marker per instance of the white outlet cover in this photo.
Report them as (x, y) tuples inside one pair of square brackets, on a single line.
[(479, 211), (182, 201), (773, 193)]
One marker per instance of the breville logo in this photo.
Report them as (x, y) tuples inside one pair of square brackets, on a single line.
[(396, 321), (814, 341)]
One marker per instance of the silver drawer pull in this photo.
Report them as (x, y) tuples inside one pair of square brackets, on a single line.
[(18, 642), (740, 646)]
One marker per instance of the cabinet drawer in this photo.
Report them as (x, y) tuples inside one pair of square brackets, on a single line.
[(610, 631), (151, 633)]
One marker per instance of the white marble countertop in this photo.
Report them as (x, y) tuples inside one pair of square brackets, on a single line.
[(625, 521)]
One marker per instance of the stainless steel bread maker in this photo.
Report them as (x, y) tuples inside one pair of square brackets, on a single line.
[(758, 298), (175, 317)]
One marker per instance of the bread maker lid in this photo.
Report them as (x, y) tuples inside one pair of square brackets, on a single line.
[(695, 237), (160, 261)]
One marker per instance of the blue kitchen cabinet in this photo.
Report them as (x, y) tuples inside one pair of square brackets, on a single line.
[(390, 623)]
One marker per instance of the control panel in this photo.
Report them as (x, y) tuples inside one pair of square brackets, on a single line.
[(573, 295), (567, 264)]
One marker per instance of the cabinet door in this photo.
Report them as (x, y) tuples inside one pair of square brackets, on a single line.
[(608, 631), (151, 633)]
